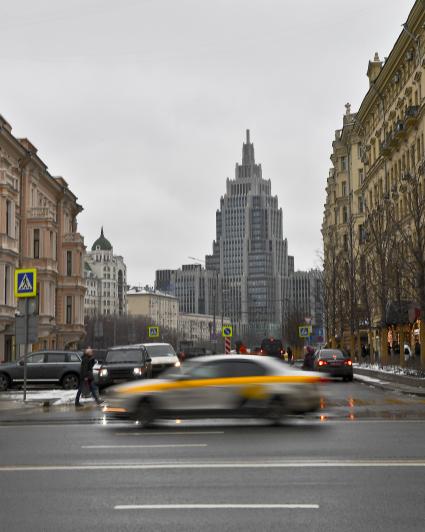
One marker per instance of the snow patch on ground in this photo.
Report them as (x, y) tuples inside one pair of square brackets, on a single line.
[(365, 378), (55, 397), (394, 370)]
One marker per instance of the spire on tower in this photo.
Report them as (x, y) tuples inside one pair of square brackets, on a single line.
[(248, 156)]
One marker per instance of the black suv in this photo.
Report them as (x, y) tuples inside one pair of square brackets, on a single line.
[(43, 367), (272, 347), (122, 364)]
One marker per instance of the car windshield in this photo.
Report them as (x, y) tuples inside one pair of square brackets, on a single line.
[(124, 356), (165, 350), (332, 354)]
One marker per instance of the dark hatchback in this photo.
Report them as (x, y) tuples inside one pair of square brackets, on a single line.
[(124, 363), (43, 367), (334, 362)]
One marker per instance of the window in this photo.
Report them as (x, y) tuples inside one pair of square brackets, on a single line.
[(36, 359), (361, 204), (9, 218), (36, 245), (344, 215), (56, 357), (343, 188), (6, 284), (68, 309), (361, 176), (69, 263), (73, 357)]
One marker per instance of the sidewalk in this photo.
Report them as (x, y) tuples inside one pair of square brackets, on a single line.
[(390, 381)]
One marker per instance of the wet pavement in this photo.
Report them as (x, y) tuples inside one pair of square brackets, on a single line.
[(339, 401)]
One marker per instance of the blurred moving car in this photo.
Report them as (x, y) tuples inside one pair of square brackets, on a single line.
[(272, 347), (43, 367), (123, 363), (194, 351), (334, 362), (219, 386)]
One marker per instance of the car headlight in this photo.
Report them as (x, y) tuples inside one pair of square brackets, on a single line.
[(103, 372), (137, 371), (177, 364)]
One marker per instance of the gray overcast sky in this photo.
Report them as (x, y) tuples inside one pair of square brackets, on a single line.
[(142, 106)]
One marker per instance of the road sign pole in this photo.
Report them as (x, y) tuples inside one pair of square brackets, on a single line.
[(27, 317)]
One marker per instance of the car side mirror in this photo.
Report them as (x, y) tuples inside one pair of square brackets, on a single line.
[(148, 359), (20, 363)]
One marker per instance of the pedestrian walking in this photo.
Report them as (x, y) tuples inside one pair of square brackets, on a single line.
[(86, 377), (417, 349), (290, 355), (308, 358)]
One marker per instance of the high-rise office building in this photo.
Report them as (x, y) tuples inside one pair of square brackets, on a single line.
[(249, 251)]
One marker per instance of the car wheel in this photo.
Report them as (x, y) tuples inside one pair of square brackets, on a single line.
[(276, 410), (145, 414), (4, 382), (350, 378), (70, 381)]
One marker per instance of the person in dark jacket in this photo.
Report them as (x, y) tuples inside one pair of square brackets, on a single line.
[(86, 377), (309, 358), (290, 356)]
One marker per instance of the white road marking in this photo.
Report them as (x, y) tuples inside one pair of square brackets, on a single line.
[(212, 506), (221, 465), (169, 433), (154, 446)]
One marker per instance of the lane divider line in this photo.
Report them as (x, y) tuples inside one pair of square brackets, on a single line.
[(170, 433), (153, 446), (213, 506), (219, 465)]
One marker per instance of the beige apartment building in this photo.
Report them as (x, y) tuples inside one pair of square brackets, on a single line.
[(38, 229), (374, 217), (162, 309)]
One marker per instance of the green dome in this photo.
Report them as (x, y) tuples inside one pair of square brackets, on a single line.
[(102, 242)]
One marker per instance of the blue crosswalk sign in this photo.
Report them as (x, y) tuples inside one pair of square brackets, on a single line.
[(26, 283)]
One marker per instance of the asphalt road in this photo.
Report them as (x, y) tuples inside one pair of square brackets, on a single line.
[(358, 465)]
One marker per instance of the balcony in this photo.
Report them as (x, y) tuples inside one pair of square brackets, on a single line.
[(7, 314), (385, 146), (9, 244), (73, 238), (41, 214), (411, 115), (399, 130)]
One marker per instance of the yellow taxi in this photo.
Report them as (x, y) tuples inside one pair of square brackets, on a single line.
[(218, 386)]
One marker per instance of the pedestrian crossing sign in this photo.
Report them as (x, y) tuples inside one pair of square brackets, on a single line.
[(26, 283), (153, 332), (304, 331)]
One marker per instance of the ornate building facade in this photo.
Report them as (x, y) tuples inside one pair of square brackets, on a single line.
[(374, 218), (38, 229), (106, 280)]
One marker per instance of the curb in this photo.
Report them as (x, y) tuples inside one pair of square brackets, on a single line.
[(387, 385)]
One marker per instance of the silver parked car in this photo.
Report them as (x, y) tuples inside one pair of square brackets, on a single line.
[(218, 386), (43, 367)]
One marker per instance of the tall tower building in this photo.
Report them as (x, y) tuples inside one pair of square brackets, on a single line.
[(250, 253)]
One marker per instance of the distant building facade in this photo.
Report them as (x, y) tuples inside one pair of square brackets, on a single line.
[(305, 290), (38, 229), (249, 252), (106, 280), (161, 308), (197, 289)]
